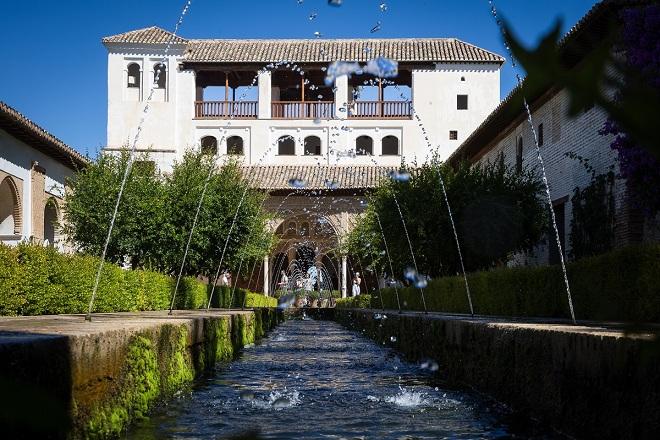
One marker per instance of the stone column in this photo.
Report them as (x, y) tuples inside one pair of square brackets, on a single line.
[(266, 276), (264, 84), (341, 96), (38, 197), (344, 276)]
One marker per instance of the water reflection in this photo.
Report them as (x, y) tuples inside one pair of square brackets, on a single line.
[(312, 379)]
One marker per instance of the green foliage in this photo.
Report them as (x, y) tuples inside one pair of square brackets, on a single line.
[(592, 222), (496, 212), (355, 302), (36, 280), (621, 285), (138, 231), (157, 212)]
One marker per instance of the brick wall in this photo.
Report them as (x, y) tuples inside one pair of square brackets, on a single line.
[(578, 135)]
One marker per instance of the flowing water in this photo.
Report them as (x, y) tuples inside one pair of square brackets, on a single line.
[(315, 379)]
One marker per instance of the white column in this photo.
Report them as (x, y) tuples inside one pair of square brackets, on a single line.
[(344, 276), (264, 84), (266, 276), (341, 96)]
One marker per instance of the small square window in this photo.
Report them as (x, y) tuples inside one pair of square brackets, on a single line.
[(461, 102), (453, 135), (540, 134)]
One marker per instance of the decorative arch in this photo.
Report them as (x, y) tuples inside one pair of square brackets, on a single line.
[(390, 146), (235, 146), (51, 218), (133, 79), (364, 146), (209, 145), (11, 221), (286, 146)]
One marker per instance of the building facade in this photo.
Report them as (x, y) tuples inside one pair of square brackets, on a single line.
[(268, 104), (34, 166), (564, 141)]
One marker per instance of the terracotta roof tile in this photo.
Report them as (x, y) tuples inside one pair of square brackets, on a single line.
[(19, 126), (150, 35), (315, 177), (315, 50)]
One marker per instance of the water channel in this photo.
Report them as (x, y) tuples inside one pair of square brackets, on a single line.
[(315, 379)]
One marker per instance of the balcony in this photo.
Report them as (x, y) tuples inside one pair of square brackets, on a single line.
[(226, 109), (380, 110), (303, 110)]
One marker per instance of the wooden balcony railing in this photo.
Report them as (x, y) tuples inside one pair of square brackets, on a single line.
[(303, 110), (226, 109), (380, 110)]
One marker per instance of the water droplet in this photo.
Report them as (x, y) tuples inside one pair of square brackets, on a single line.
[(382, 67), (393, 338), (296, 183), (312, 16), (376, 28), (335, 2), (383, 7), (399, 176), (317, 34)]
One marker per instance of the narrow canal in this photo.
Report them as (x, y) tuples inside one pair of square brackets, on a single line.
[(315, 379)]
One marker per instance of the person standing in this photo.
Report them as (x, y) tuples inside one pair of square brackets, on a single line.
[(356, 284)]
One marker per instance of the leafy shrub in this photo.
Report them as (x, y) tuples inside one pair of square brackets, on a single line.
[(36, 280), (620, 285), (356, 302)]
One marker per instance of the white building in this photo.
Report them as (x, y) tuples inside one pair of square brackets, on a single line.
[(272, 107), (266, 103), (34, 165)]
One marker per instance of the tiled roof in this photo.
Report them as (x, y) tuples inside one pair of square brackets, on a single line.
[(315, 177), (310, 51), (22, 128), (315, 50), (586, 34), (150, 35)]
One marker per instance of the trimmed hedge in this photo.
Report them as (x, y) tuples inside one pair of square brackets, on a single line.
[(36, 280), (355, 302), (623, 285), (222, 298)]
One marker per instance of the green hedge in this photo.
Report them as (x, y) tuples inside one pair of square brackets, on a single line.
[(356, 302), (36, 280), (623, 285), (222, 298)]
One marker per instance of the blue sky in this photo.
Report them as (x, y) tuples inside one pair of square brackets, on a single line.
[(55, 65)]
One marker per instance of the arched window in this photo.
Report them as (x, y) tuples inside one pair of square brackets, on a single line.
[(209, 145), (519, 155), (304, 229), (50, 220), (286, 146), (364, 146), (10, 208), (390, 146), (133, 76), (291, 228), (235, 145), (160, 76), (312, 146)]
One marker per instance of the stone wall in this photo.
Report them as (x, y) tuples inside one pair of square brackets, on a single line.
[(588, 383), (93, 384)]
